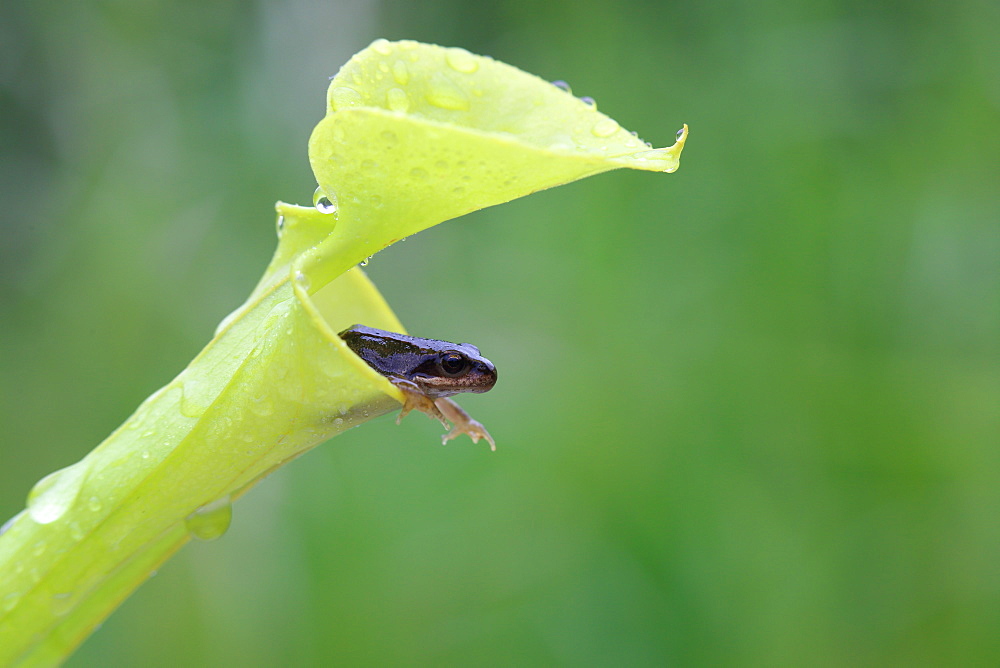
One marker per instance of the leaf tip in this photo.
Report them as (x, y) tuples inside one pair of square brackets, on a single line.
[(659, 159)]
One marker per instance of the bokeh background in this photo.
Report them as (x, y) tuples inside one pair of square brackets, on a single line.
[(748, 413)]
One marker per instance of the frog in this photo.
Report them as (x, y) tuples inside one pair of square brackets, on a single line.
[(427, 372)]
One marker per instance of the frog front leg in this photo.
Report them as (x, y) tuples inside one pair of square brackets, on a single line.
[(414, 398), (464, 424)]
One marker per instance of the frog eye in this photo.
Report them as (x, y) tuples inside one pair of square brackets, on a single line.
[(453, 364)]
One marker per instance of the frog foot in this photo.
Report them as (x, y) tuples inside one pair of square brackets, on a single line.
[(464, 424), (414, 398)]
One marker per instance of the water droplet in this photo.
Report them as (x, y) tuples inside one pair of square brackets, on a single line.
[(589, 101), (680, 133), (280, 225), (338, 421), (400, 72), (262, 406), (382, 46), (39, 548), (323, 202), (94, 504), (562, 85), (192, 404), (446, 95), (145, 454), (211, 520), (9, 523), (54, 494), (10, 600), (364, 263), (605, 127), (75, 532), (461, 60), (62, 603), (397, 100), (658, 159), (302, 280), (342, 97), (562, 142), (389, 137)]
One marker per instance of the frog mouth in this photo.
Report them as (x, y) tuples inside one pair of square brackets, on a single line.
[(480, 379)]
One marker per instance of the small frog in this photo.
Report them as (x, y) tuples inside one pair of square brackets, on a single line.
[(427, 371)]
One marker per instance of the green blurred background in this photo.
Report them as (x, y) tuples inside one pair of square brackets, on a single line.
[(748, 414)]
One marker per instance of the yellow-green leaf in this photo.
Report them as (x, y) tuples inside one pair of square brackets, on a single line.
[(416, 134)]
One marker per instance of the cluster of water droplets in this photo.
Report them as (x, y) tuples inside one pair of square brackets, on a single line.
[(441, 91), (607, 127)]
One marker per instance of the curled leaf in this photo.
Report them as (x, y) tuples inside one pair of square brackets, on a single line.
[(416, 134)]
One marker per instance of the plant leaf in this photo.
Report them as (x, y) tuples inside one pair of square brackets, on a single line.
[(416, 134)]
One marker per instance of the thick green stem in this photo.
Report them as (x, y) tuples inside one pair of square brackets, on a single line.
[(275, 382)]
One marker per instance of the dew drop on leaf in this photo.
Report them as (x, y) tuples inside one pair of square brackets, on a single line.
[(342, 97), (382, 46), (397, 100), (62, 603), (323, 203), (191, 405), (9, 523), (54, 494), (444, 94), (400, 73), (10, 600), (211, 520), (75, 532), (605, 127), (461, 60), (562, 85)]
